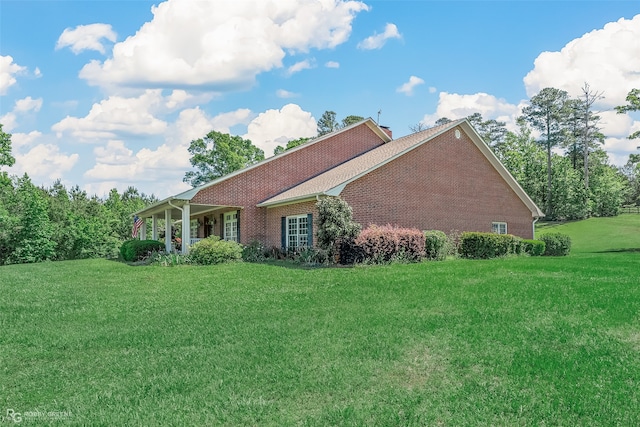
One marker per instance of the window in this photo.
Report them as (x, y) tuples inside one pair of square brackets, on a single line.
[(193, 228), (499, 227), (231, 226), (297, 232)]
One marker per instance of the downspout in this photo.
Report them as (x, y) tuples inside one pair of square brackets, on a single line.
[(533, 225)]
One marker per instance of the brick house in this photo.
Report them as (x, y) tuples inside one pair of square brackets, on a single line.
[(443, 178)]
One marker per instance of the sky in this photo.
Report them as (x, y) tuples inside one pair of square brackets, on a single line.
[(109, 94)]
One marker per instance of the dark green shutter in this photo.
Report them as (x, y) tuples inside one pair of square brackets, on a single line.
[(283, 232), (310, 230), (238, 224), (221, 226)]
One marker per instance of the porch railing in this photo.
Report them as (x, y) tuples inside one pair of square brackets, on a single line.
[(194, 240)]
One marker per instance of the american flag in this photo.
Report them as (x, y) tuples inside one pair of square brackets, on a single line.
[(137, 223)]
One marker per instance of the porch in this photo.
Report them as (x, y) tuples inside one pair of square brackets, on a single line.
[(197, 221)]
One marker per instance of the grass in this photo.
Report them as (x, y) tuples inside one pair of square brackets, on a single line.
[(518, 341)]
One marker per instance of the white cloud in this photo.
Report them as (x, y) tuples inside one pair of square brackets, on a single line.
[(332, 64), (432, 89), (116, 115), (281, 93), (407, 88), (19, 140), (376, 41), (43, 162), (608, 59), (299, 66), (86, 37), (277, 127), (8, 70), (223, 44), (28, 104), (455, 106)]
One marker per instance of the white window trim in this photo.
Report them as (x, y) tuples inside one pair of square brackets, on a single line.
[(498, 225), (234, 219), (298, 235)]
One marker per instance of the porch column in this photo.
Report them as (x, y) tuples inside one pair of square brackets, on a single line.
[(143, 230), (186, 228), (154, 226), (167, 230)]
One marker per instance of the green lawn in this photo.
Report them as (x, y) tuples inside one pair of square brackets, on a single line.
[(519, 341)]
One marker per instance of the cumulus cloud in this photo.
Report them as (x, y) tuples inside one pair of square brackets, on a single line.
[(86, 37), (407, 88), (299, 66), (432, 89), (455, 106), (21, 107), (277, 127), (332, 64), (376, 41), (223, 44), (8, 71), (42, 162), (608, 59), (115, 115)]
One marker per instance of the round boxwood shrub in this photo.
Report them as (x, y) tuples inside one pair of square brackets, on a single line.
[(212, 250), (556, 244), (435, 245), (135, 250), (476, 245)]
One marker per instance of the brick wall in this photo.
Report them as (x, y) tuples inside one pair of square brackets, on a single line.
[(258, 184), (446, 184)]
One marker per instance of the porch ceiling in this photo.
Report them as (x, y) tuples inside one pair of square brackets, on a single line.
[(176, 214)]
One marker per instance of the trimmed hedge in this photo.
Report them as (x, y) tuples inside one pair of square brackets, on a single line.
[(556, 244), (475, 245), (382, 244), (135, 250), (435, 245), (212, 250), (533, 247)]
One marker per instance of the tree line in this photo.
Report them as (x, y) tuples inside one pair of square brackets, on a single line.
[(59, 223)]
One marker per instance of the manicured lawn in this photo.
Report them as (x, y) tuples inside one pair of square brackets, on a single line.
[(520, 341)]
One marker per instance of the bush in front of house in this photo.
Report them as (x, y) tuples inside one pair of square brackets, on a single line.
[(383, 244), (336, 227), (476, 245), (556, 244), (254, 252), (435, 245), (135, 250), (533, 247), (212, 250)]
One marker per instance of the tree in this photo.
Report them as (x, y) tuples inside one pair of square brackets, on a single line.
[(547, 113), (335, 224), (349, 120), (418, 127), (492, 131), (442, 121), (590, 130), (631, 172), (6, 159), (218, 154), (291, 144), (327, 123), (633, 99)]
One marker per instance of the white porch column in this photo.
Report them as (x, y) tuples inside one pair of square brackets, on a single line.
[(167, 230), (154, 226), (143, 230), (186, 227)]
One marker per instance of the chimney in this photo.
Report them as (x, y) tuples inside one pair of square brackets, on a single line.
[(387, 131)]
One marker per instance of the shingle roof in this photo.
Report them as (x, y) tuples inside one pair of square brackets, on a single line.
[(333, 181)]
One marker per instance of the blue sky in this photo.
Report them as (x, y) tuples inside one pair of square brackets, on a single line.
[(108, 94)]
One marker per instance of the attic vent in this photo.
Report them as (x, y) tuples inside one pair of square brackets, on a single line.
[(458, 133)]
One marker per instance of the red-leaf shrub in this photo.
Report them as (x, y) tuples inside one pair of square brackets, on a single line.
[(381, 244)]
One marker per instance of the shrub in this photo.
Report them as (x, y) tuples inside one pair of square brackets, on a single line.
[(335, 225), (169, 259), (254, 252), (556, 244), (135, 250), (388, 243), (435, 245), (312, 256), (533, 247), (476, 245), (212, 250)]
